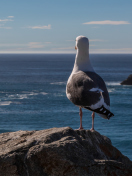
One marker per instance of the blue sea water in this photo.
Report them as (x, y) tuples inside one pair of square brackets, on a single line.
[(32, 95)]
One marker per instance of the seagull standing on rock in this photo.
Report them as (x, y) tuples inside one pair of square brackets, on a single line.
[(85, 88)]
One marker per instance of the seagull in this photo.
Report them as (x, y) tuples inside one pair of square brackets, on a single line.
[(85, 88)]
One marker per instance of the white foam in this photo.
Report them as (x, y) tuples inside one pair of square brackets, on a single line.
[(22, 96), (111, 90), (18, 96), (113, 83), (25, 95), (43, 93), (33, 93), (59, 83), (5, 103)]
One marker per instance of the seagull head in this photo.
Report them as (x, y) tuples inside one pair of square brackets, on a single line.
[(82, 61), (82, 43)]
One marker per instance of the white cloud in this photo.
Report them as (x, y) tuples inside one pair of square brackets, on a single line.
[(40, 27), (10, 16), (107, 22), (5, 20), (35, 45)]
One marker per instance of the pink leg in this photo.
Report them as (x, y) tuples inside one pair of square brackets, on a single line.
[(93, 115), (80, 113)]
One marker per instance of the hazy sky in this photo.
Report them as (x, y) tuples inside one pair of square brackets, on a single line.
[(52, 25)]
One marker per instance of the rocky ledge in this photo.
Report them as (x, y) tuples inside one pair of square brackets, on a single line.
[(127, 81), (60, 152)]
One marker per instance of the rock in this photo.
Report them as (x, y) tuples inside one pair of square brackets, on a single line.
[(60, 152), (128, 81)]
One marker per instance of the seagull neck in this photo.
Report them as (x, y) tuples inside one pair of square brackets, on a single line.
[(82, 62)]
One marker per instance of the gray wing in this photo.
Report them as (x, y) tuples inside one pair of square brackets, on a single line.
[(101, 85), (80, 87)]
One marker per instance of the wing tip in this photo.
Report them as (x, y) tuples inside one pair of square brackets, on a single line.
[(110, 115)]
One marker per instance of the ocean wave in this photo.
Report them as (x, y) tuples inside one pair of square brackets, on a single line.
[(18, 96), (5, 103), (111, 90), (25, 95), (59, 83), (43, 93), (27, 112), (113, 83)]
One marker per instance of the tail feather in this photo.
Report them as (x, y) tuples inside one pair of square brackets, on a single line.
[(102, 110)]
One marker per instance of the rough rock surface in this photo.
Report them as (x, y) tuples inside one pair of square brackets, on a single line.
[(128, 81), (60, 152)]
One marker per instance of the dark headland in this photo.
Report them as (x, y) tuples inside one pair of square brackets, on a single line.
[(127, 81), (60, 152)]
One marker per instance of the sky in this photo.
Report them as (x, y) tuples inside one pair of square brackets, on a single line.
[(51, 26)]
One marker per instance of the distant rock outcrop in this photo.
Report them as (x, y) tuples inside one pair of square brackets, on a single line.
[(127, 81), (60, 152)]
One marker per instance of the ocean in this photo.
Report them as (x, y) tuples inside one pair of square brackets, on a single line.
[(32, 95)]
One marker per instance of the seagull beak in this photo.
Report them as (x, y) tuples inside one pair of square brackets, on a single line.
[(75, 48)]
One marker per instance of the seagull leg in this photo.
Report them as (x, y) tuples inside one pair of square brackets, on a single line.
[(80, 113), (93, 115)]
